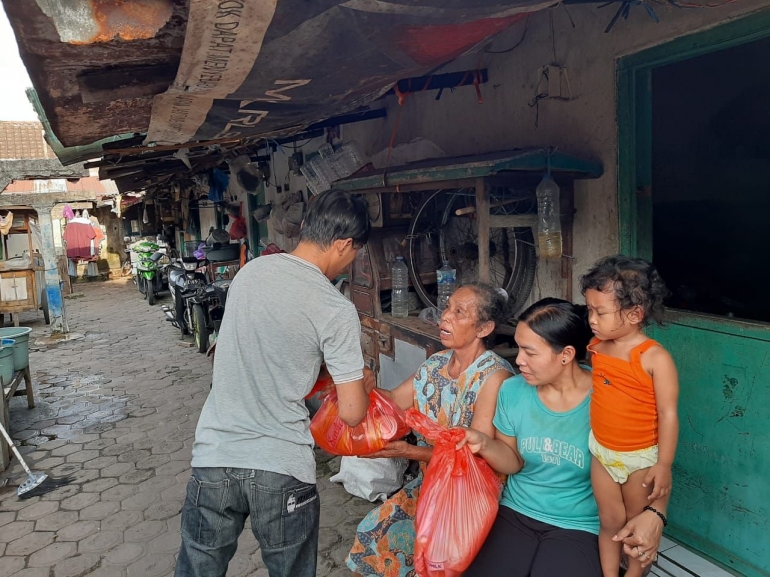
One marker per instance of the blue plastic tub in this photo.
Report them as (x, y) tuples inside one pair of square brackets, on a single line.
[(21, 348), (6, 360)]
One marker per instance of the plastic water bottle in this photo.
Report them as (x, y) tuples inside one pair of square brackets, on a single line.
[(548, 219), (446, 277), (399, 302)]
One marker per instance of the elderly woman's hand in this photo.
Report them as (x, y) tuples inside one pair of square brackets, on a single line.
[(641, 537), (403, 450)]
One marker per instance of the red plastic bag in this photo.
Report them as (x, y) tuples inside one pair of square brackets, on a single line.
[(321, 388), (457, 504), (238, 230), (384, 422)]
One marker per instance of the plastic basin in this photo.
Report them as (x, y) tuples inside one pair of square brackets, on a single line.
[(21, 347), (6, 360)]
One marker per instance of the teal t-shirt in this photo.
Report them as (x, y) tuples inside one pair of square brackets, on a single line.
[(555, 484)]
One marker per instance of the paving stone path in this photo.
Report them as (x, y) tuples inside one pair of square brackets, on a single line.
[(117, 406)]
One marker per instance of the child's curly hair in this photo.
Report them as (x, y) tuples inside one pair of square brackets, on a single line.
[(635, 281)]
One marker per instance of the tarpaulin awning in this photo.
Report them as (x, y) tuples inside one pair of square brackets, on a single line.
[(277, 66)]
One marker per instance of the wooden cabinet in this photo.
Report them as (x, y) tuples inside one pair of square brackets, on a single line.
[(17, 291)]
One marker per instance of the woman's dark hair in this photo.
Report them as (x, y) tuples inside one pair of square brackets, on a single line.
[(336, 215), (634, 281), (491, 305), (560, 323)]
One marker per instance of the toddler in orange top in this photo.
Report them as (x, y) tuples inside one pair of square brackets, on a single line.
[(634, 422)]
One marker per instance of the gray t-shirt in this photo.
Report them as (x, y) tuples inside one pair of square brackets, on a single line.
[(283, 318)]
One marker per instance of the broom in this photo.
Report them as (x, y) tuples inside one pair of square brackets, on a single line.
[(36, 484)]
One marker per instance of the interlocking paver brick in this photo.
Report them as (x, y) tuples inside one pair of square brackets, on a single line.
[(117, 469), (56, 521), (139, 501), (136, 476), (10, 565), (51, 555), (99, 485), (100, 542), (37, 511), (122, 520), (14, 530), (118, 493), (6, 517), (34, 572), (125, 554), (79, 501), (65, 450), (99, 511), (144, 531), (107, 572), (77, 531), (82, 456), (151, 566), (75, 566), (162, 510), (28, 544)]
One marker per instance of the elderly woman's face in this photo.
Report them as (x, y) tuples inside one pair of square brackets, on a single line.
[(537, 361), (458, 327)]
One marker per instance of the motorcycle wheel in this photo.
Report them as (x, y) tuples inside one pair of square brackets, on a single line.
[(201, 331), (150, 295), (180, 316), (140, 284)]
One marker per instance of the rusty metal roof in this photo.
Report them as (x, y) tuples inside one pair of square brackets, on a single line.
[(96, 64)]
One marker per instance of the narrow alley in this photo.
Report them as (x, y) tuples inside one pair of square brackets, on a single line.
[(117, 406)]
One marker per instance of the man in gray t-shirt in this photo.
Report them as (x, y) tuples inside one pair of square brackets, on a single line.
[(253, 452)]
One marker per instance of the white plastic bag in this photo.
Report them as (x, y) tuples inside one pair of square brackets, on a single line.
[(371, 479)]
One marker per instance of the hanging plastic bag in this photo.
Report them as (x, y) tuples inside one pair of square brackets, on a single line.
[(384, 422), (457, 505), (238, 229)]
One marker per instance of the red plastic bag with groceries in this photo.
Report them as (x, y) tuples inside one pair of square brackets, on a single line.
[(457, 504), (384, 422)]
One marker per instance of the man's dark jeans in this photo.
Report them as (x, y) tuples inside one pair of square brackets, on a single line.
[(284, 518)]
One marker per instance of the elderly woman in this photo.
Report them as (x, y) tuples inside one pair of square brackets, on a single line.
[(456, 388), (548, 522)]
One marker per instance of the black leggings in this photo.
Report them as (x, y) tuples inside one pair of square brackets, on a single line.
[(519, 546)]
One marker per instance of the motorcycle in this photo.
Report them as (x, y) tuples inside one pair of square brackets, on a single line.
[(207, 307), (149, 273), (184, 280)]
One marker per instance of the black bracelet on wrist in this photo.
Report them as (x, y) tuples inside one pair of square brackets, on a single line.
[(658, 513)]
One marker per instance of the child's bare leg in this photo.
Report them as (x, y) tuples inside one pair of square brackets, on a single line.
[(612, 516), (635, 500)]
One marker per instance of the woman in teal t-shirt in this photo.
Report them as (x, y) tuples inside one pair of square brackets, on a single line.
[(548, 521)]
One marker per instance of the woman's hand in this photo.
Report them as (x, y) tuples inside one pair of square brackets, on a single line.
[(393, 449), (641, 537), (476, 440)]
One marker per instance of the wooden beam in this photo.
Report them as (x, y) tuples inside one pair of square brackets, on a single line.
[(126, 82), (482, 214), (513, 220)]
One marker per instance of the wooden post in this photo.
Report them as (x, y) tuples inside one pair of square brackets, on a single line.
[(482, 214), (56, 309), (567, 209)]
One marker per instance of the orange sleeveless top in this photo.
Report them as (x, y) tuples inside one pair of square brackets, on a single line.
[(624, 414)]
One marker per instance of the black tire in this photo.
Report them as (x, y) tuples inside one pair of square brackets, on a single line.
[(200, 328), (44, 306), (433, 216), (141, 284), (151, 296)]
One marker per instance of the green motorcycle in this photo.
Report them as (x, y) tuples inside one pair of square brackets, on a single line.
[(148, 277)]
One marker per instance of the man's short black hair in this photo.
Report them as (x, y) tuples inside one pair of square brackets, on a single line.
[(336, 215)]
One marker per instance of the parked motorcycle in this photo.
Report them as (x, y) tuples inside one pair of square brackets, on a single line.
[(149, 277), (207, 306), (184, 280)]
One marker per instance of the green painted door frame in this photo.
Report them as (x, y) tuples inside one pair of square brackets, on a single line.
[(721, 499)]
